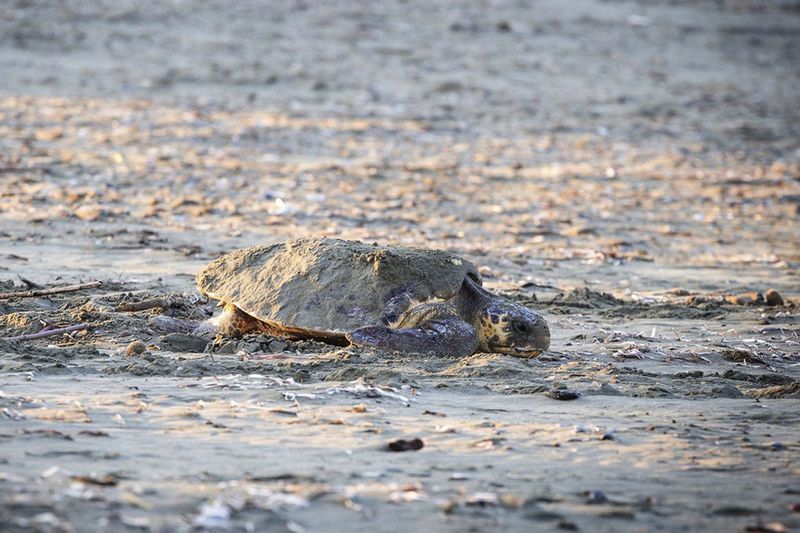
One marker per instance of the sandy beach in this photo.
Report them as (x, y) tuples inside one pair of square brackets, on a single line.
[(630, 170)]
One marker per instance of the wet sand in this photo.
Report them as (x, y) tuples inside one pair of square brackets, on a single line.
[(631, 170)]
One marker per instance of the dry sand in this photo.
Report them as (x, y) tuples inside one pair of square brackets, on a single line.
[(629, 169)]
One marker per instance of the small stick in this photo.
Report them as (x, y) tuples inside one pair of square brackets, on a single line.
[(48, 333), (52, 290), (148, 304), (29, 283)]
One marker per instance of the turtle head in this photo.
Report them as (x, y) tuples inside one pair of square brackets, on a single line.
[(510, 328)]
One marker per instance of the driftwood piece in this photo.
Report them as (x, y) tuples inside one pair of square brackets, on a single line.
[(28, 283), (48, 333), (169, 301), (52, 290)]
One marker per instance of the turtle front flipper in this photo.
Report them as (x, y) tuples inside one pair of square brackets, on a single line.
[(442, 336), (234, 322), (396, 307)]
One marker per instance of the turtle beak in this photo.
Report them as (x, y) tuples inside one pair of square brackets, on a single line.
[(526, 353), (539, 344)]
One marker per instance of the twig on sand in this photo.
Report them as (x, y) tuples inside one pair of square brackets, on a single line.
[(48, 333), (52, 290), (361, 390), (148, 304), (28, 283)]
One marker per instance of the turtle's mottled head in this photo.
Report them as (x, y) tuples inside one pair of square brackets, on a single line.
[(507, 327)]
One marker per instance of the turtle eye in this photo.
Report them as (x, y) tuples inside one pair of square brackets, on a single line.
[(521, 327)]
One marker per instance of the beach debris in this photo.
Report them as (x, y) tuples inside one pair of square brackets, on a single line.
[(213, 515), (163, 302), (748, 298), (28, 283), (52, 290), (137, 522), (136, 347), (791, 390), (294, 396), (595, 497), (401, 445), (489, 444), (266, 498), (46, 521), (75, 414), (768, 527), (779, 329), (54, 433), (89, 433), (49, 332), (593, 431), (360, 408), (361, 390), (108, 480), (248, 381), (479, 500), (12, 414), (410, 492), (90, 212), (567, 525), (773, 298), (741, 355), (632, 350), (482, 499), (503, 26), (283, 412), (563, 394), (485, 500), (52, 471)]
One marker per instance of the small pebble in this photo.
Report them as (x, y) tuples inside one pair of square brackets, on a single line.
[(596, 497), (774, 298), (401, 445), (137, 347), (563, 394), (89, 213)]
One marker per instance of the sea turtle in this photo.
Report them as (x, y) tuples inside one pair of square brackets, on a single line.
[(349, 292)]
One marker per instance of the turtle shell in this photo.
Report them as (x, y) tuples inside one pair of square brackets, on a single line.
[(330, 284)]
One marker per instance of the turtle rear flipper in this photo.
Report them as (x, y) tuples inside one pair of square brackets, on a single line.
[(442, 336)]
